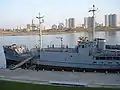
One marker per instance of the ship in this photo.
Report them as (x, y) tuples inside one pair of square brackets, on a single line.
[(87, 55)]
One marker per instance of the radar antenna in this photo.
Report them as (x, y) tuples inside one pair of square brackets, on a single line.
[(93, 19)]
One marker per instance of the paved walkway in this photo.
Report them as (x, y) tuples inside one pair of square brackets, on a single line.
[(44, 76)]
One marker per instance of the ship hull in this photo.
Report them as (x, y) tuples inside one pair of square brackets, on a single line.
[(63, 61), (62, 68)]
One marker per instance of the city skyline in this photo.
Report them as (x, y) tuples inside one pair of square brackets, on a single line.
[(19, 13)]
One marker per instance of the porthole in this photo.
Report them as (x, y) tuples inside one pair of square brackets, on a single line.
[(94, 62)]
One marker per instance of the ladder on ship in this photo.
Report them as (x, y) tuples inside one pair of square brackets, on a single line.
[(21, 63)]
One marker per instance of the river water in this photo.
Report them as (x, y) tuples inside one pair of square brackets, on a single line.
[(112, 37)]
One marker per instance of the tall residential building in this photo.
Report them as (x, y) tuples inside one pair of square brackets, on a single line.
[(66, 23), (106, 20), (85, 22), (112, 20), (71, 23), (89, 22)]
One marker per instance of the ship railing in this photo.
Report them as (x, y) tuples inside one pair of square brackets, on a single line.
[(72, 50)]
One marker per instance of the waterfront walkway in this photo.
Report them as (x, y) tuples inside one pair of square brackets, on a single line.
[(43, 77)]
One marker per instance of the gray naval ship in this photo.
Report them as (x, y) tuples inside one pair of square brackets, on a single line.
[(88, 55)]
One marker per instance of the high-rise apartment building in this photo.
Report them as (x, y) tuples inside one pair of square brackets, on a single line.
[(88, 22), (111, 20), (106, 20), (114, 20), (85, 22), (66, 23), (71, 23)]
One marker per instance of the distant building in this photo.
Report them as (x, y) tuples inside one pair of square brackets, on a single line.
[(61, 26), (106, 21), (54, 27), (71, 23), (114, 20), (28, 27), (83, 25), (89, 22), (85, 22), (111, 20), (33, 26), (66, 23)]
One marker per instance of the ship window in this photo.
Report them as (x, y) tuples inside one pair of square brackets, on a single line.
[(97, 58), (109, 62), (109, 58), (117, 62), (116, 58), (102, 58), (102, 62), (94, 62)]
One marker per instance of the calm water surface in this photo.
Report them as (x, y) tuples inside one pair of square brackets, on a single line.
[(112, 37)]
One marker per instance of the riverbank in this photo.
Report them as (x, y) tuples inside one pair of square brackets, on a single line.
[(8, 85), (50, 32)]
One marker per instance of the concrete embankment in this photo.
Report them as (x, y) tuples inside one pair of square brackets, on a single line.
[(43, 77)]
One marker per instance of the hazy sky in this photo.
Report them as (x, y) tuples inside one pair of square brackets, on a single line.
[(15, 13)]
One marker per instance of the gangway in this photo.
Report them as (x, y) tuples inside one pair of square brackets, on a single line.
[(21, 63)]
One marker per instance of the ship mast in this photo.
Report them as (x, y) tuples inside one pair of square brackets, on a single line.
[(93, 20), (40, 31)]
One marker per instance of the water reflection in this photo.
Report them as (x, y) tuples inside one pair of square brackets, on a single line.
[(112, 37)]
